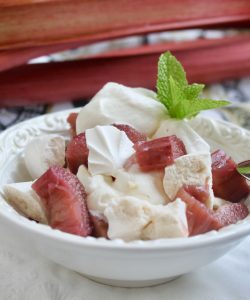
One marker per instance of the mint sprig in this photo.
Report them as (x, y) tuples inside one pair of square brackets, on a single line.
[(243, 170), (181, 99)]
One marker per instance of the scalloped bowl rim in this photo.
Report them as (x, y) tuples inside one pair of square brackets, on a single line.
[(229, 233)]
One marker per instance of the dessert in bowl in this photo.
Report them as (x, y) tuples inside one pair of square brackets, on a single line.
[(139, 201)]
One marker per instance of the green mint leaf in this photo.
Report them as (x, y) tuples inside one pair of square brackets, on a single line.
[(175, 92), (168, 66), (243, 170), (193, 107), (181, 99), (193, 91), (176, 96)]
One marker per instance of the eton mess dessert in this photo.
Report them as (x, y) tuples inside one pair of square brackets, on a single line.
[(133, 169)]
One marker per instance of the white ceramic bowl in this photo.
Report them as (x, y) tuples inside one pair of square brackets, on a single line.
[(139, 263)]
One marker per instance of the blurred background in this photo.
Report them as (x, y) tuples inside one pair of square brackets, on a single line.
[(54, 65)]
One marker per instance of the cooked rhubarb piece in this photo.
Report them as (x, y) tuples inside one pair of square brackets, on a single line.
[(64, 201), (233, 190), (100, 227), (222, 166), (72, 122), (199, 192), (158, 153), (231, 213), (134, 135), (200, 218), (77, 152), (228, 184)]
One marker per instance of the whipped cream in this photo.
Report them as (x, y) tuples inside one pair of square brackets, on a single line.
[(192, 141), (25, 200), (190, 169), (109, 148), (136, 205), (101, 189), (131, 219), (146, 186), (43, 152), (116, 103)]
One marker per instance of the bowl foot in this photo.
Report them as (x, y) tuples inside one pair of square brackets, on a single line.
[(131, 283)]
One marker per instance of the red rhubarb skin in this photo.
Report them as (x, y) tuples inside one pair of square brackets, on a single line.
[(228, 184), (199, 192), (231, 213), (202, 219), (64, 201), (158, 153), (133, 134), (77, 152), (72, 122)]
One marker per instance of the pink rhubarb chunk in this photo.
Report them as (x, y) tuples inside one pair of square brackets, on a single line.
[(202, 219), (199, 192), (231, 213), (72, 122), (158, 153), (228, 184), (77, 152), (134, 135), (64, 200)]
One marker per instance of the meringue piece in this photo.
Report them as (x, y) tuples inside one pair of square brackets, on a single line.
[(109, 148), (190, 169), (127, 216), (25, 200), (99, 190), (146, 186), (117, 103), (43, 152), (132, 219), (192, 141), (167, 222)]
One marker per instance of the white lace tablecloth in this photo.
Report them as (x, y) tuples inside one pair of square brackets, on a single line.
[(25, 275)]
